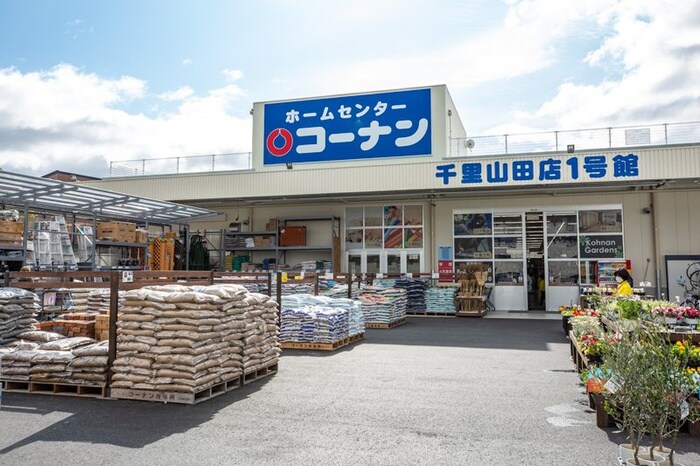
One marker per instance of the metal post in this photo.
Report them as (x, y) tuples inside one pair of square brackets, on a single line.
[(556, 141), (187, 247), (505, 136), (269, 284), (113, 312), (94, 242), (143, 166), (177, 164), (609, 137), (212, 161), (350, 279), (279, 296), (110, 168), (666, 132)]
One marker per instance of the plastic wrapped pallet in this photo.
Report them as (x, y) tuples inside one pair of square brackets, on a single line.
[(383, 306), (185, 339), (415, 291), (302, 315), (18, 309), (440, 299), (313, 324)]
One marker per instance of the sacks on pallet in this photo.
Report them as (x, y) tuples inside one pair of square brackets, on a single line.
[(383, 306), (440, 299), (16, 360), (89, 364), (304, 314), (185, 339), (69, 360), (18, 308), (261, 333)]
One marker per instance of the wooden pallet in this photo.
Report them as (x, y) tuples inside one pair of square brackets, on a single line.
[(49, 388), (176, 397), (477, 313), (315, 346), (393, 324), (358, 337), (440, 314), (260, 373)]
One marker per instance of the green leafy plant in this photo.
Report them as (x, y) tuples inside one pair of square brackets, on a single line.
[(629, 308)]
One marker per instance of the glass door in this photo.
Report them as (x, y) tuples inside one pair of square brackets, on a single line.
[(509, 254), (534, 251), (561, 253)]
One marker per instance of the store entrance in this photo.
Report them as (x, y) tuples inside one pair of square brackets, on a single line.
[(534, 242)]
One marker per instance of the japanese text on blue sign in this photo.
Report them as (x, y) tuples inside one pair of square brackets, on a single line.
[(589, 167), (389, 124)]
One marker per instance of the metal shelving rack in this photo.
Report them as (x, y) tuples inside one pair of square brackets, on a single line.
[(35, 195), (281, 251)]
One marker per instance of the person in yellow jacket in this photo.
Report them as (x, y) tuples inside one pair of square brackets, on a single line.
[(624, 282)]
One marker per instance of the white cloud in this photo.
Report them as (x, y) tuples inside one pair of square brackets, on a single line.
[(66, 119), (525, 42), (233, 75), (186, 62), (178, 94), (652, 55)]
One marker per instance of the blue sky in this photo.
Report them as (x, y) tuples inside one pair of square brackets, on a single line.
[(85, 82)]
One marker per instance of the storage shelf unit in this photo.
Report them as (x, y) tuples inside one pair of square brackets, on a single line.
[(280, 252)]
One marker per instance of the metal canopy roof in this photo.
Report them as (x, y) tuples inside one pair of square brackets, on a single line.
[(52, 195)]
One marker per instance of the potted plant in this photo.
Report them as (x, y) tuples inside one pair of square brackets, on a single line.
[(694, 417), (627, 393), (629, 313), (692, 316), (669, 384)]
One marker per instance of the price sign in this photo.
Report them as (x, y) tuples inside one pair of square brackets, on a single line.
[(127, 276)]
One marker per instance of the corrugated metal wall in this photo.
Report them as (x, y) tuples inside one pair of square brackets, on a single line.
[(665, 163)]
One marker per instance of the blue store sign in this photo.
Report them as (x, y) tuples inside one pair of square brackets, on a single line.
[(366, 126)]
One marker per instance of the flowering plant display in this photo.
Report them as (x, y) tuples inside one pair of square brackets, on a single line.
[(586, 325), (668, 310), (576, 311), (686, 349), (594, 346)]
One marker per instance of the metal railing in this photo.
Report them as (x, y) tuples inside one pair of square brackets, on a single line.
[(582, 139), (176, 165), (519, 143)]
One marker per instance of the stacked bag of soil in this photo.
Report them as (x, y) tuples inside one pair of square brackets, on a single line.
[(17, 311), (186, 339)]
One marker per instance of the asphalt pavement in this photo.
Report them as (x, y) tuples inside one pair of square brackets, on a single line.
[(434, 391)]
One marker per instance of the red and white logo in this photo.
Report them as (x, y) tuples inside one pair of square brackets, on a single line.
[(277, 136)]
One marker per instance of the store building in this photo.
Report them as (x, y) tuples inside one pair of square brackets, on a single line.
[(389, 182)]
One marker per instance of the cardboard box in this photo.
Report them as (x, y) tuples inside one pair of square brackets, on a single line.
[(117, 231), (11, 228), (293, 236), (141, 236), (11, 233)]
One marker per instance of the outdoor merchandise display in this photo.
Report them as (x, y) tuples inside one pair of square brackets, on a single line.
[(440, 299), (18, 309), (185, 339), (639, 360), (320, 319), (47, 357), (383, 306)]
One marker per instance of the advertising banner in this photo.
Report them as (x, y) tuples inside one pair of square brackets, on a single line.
[(363, 126)]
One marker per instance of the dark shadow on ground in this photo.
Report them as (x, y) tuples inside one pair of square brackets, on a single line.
[(514, 334), (685, 443), (125, 423)]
